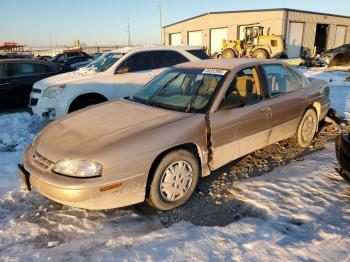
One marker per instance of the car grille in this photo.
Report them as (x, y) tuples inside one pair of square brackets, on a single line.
[(35, 90), (33, 101), (41, 161)]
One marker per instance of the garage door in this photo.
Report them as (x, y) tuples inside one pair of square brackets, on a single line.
[(339, 36), (295, 38), (195, 38), (175, 39), (216, 37)]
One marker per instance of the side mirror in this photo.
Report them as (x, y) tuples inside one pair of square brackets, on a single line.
[(230, 103)]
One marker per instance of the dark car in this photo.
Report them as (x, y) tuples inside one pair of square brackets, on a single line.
[(328, 55), (77, 61), (342, 147), (44, 57), (63, 56), (15, 55), (17, 77)]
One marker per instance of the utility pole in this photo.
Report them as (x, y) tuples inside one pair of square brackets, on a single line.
[(50, 37), (129, 41), (161, 23)]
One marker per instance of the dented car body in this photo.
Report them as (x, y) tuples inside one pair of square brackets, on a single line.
[(208, 112)]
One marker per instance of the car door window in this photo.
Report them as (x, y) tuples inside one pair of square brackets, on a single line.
[(27, 69), (168, 58), (298, 81), (245, 87), (4, 70), (137, 62), (279, 81)]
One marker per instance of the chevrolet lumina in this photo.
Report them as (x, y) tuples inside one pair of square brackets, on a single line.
[(188, 121)]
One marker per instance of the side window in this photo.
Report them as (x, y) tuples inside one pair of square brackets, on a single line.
[(4, 70), (298, 81), (27, 69), (168, 58), (278, 79), (138, 62), (244, 88)]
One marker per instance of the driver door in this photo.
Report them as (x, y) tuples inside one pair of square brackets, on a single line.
[(236, 132)]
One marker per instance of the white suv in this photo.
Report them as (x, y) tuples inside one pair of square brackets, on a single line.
[(116, 74)]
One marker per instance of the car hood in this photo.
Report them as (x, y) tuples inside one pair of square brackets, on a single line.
[(88, 132), (82, 74)]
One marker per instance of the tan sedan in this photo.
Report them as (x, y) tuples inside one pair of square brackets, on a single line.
[(185, 123)]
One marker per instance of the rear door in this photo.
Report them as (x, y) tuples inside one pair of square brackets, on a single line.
[(5, 86), (133, 73), (239, 131), (22, 77), (166, 58), (287, 100)]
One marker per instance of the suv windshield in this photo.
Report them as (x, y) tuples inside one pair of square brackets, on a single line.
[(105, 61), (186, 90)]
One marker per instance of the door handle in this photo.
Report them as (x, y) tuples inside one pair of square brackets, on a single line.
[(4, 84), (303, 97)]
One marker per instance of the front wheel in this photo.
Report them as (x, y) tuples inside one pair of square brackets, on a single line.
[(174, 180), (228, 53), (260, 54), (307, 128)]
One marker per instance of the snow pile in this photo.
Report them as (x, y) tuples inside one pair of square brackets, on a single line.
[(340, 88), (17, 130)]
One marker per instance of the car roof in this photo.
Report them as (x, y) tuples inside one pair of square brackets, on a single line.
[(24, 60), (227, 64), (128, 49)]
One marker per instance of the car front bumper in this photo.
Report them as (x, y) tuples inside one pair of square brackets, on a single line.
[(48, 108), (101, 193)]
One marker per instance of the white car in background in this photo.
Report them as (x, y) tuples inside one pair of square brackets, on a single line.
[(113, 75)]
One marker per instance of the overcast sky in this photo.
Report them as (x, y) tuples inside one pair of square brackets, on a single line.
[(105, 21)]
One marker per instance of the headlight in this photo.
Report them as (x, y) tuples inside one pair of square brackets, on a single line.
[(78, 168), (53, 91)]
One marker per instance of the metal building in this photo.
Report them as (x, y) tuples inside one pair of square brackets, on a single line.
[(303, 31)]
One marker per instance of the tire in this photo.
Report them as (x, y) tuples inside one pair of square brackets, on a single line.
[(84, 103), (307, 129), (261, 54), (228, 54), (165, 187)]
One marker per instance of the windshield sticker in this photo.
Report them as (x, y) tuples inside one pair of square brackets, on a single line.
[(212, 71)]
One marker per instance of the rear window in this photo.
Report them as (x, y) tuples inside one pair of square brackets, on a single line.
[(168, 58), (200, 53), (27, 69)]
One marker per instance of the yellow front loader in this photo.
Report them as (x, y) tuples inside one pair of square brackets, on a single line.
[(255, 44)]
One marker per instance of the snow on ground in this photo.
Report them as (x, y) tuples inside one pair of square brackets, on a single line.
[(298, 212)]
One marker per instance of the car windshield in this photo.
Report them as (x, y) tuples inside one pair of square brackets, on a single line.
[(186, 90), (105, 61)]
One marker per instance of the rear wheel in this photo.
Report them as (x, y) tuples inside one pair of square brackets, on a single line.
[(174, 180), (307, 128), (261, 54), (228, 54)]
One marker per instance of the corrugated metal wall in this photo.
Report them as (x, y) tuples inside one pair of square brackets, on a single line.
[(276, 20)]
